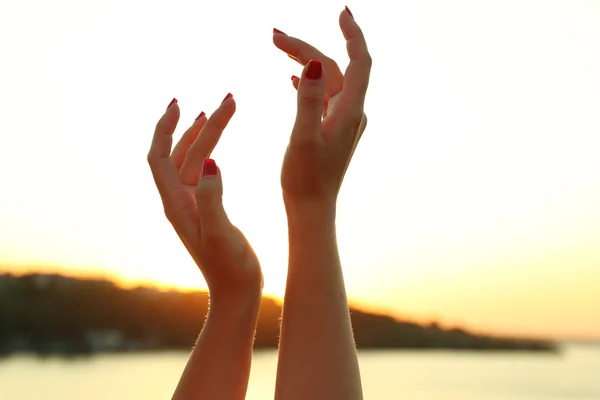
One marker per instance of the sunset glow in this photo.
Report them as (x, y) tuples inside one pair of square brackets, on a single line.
[(472, 199)]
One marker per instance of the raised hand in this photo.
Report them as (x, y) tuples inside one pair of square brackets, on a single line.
[(191, 189), (317, 356), (320, 149)]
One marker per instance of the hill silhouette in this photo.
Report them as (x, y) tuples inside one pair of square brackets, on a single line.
[(48, 314)]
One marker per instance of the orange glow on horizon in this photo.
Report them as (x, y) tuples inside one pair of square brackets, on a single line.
[(472, 198)]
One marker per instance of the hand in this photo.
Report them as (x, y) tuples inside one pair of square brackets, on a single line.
[(191, 189), (330, 118)]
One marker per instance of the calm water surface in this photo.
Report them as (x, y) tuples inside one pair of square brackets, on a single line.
[(387, 375)]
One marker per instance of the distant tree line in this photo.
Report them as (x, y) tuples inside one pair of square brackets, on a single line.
[(57, 314)]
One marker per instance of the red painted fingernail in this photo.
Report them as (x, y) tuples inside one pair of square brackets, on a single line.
[(294, 77), (349, 12), (314, 70), (202, 114), (275, 30), (229, 96), (209, 167), (174, 101)]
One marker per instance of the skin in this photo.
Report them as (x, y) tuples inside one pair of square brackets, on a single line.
[(219, 366), (317, 354)]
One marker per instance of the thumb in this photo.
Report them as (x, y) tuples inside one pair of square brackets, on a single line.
[(311, 93), (209, 199)]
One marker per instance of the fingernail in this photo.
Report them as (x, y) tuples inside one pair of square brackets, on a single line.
[(275, 30), (209, 168), (174, 101), (294, 77), (293, 58), (314, 70), (202, 114), (349, 12), (229, 96)]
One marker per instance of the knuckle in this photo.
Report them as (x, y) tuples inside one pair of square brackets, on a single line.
[(219, 127), (151, 157), (363, 122), (355, 125), (311, 101), (203, 195), (354, 117), (161, 125), (169, 214), (368, 59), (331, 62), (215, 127)]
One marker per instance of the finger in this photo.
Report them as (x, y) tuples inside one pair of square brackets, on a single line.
[(164, 172), (296, 82), (182, 147), (356, 79), (206, 141), (311, 91), (209, 199), (304, 52)]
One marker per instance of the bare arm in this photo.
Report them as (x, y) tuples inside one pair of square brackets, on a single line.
[(317, 354), (191, 189), (219, 366)]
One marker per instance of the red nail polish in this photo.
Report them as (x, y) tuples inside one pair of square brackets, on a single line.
[(275, 30), (294, 77), (229, 96), (202, 114), (174, 101), (349, 12), (314, 70), (209, 167)]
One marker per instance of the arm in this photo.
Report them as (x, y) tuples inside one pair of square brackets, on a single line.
[(317, 354), (191, 189), (219, 366)]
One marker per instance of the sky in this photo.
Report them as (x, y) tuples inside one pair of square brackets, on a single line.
[(473, 198)]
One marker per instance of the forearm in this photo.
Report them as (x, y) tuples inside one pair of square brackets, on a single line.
[(317, 354), (219, 366)]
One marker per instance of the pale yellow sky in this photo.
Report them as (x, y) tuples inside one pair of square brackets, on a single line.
[(473, 197)]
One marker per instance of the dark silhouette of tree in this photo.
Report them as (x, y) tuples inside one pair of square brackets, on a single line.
[(58, 314)]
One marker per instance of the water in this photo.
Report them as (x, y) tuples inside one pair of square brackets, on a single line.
[(387, 375)]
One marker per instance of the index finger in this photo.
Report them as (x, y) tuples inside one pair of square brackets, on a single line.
[(304, 52), (206, 141), (356, 79)]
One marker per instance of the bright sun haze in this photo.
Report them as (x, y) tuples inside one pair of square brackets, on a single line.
[(472, 199)]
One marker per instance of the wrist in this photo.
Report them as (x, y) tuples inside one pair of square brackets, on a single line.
[(313, 214), (311, 228), (236, 306)]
